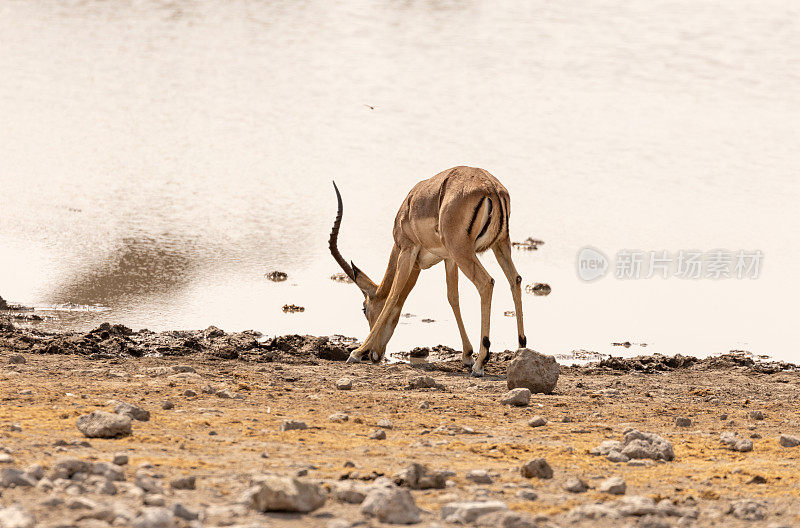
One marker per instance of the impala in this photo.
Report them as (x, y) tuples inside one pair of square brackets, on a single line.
[(452, 216)]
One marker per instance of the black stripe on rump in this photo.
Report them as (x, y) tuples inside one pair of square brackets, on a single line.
[(475, 214), (488, 221)]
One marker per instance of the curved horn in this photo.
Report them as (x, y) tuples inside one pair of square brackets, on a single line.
[(333, 241)]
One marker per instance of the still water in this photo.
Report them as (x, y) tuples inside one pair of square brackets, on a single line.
[(159, 157)]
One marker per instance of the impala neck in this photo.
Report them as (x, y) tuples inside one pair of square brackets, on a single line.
[(388, 277)]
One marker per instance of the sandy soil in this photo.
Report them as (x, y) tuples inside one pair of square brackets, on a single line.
[(224, 441)]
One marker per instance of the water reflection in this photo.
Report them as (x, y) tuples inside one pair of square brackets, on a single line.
[(139, 266)]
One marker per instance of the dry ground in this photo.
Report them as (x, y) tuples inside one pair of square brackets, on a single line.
[(225, 441)]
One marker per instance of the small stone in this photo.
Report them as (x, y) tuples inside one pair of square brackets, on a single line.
[(424, 405), (339, 417), (133, 411), (80, 503), (183, 483), (748, 510), (538, 467), (6, 458), (15, 477), (756, 415), (613, 485), (289, 494), (519, 397), (189, 393), (167, 405), (350, 492), (616, 456), (647, 445), (36, 471), (106, 487), (154, 517), (385, 424), (154, 499), (789, 441), (423, 382), (182, 512), (743, 445), (15, 516), (537, 421), (391, 504), (15, 428), (419, 476), (682, 421), (479, 476), (606, 447), (468, 512), (100, 424), (378, 434), (120, 459), (575, 485), (527, 494), (344, 383), (292, 425), (16, 359)]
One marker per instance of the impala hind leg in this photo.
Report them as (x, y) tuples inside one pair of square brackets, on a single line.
[(502, 250), (468, 263), (451, 274)]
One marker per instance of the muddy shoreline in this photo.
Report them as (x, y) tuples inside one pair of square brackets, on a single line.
[(225, 409)]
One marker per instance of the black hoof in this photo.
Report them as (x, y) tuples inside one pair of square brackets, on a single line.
[(375, 357), (353, 359)]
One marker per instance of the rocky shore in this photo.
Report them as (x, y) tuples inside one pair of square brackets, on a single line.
[(206, 428)]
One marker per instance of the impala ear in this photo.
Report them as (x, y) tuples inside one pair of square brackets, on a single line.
[(368, 288)]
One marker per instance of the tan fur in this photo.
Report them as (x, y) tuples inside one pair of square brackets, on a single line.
[(433, 224)]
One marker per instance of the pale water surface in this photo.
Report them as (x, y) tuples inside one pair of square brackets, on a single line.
[(159, 157)]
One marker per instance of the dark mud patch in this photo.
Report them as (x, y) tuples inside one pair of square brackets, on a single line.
[(660, 363)]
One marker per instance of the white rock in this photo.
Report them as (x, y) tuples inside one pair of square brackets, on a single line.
[(468, 512), (15, 516), (15, 477), (537, 421), (132, 411), (99, 424), (156, 517), (344, 383), (274, 493), (789, 441), (519, 397), (613, 485), (575, 485), (479, 476), (392, 505)]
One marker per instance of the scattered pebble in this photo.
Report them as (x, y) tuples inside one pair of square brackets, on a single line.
[(537, 421), (276, 276), (682, 421), (100, 424), (339, 417), (167, 405), (613, 486), (519, 397), (385, 424), (344, 383), (468, 512), (390, 504), (133, 411), (183, 483), (289, 494), (789, 441), (16, 359), (756, 415), (538, 467), (575, 485), (479, 476), (378, 434), (291, 425)]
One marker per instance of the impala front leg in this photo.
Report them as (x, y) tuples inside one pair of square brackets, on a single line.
[(381, 331)]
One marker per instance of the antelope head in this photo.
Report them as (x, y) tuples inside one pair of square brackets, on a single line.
[(373, 303)]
